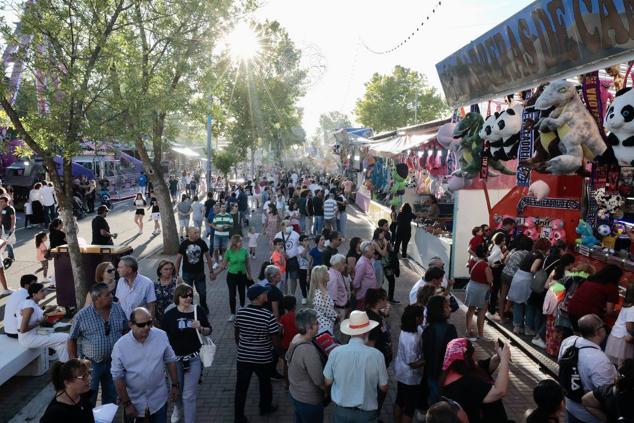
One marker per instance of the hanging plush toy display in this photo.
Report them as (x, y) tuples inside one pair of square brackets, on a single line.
[(578, 133), (609, 203), (399, 176), (619, 121)]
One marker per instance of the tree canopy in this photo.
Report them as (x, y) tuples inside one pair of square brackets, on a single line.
[(399, 99)]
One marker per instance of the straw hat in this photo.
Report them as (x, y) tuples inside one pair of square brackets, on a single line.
[(358, 324)]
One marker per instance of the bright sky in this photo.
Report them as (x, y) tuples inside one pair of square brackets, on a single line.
[(335, 28)]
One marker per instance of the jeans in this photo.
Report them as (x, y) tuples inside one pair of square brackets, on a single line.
[(243, 379), (49, 214), (342, 223), (307, 413), (159, 417), (188, 381), (518, 314), (319, 225), (302, 222), (101, 375), (199, 282), (355, 415), (239, 281), (535, 318), (378, 272), (308, 225)]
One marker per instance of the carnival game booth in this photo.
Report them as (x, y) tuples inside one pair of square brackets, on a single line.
[(408, 165), (558, 154)]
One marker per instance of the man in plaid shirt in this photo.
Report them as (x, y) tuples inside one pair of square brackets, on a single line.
[(96, 328)]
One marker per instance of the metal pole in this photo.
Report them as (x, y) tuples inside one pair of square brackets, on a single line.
[(209, 119)]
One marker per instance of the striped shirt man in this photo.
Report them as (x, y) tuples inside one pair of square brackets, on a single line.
[(255, 324), (224, 221), (330, 208)]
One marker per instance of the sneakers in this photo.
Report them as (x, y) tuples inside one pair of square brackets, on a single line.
[(6, 292), (471, 336), (517, 330), (176, 414), (304, 301), (495, 317), (538, 342), (231, 318), (529, 332)]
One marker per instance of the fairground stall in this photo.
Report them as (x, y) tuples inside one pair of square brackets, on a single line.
[(407, 165), (544, 129)]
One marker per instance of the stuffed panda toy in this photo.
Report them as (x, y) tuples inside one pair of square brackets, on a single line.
[(486, 133), (507, 127), (619, 120)]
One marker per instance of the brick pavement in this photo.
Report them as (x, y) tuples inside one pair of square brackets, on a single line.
[(215, 403)]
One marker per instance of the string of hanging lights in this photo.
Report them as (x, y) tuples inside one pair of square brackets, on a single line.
[(409, 37)]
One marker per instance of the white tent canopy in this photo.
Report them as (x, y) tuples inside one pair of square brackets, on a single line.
[(400, 143)]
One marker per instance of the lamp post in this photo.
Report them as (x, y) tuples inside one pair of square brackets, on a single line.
[(209, 120)]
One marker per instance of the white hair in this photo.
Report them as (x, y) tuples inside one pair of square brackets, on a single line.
[(336, 259)]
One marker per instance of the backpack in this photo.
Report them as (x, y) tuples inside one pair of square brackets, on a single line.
[(569, 376)]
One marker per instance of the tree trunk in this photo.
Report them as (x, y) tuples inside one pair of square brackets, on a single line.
[(168, 222)]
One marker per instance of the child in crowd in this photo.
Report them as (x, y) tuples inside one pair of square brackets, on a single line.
[(41, 247), (253, 240), (302, 258), (549, 398), (620, 342), (408, 364), (277, 257)]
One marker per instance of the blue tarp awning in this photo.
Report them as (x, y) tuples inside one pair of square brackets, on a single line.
[(76, 169), (138, 164)]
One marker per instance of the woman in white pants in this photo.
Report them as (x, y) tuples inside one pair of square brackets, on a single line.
[(30, 316)]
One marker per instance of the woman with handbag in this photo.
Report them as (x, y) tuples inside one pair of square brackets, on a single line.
[(184, 324)]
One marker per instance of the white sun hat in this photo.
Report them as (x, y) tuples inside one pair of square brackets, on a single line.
[(358, 324)]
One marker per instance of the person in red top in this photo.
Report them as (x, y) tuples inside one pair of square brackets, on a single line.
[(289, 328), (478, 239), (478, 292), (288, 321), (597, 295)]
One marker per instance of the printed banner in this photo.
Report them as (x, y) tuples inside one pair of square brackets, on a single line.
[(548, 203), (525, 151), (484, 162), (591, 89)]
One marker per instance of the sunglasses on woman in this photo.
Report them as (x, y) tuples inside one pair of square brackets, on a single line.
[(190, 295), (110, 270)]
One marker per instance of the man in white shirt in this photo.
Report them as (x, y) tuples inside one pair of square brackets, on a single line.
[(433, 276), (595, 368), (139, 360), (134, 290), (14, 301), (48, 202)]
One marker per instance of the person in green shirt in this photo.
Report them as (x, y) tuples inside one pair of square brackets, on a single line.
[(236, 261)]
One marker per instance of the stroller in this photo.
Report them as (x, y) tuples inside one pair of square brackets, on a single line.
[(104, 197), (79, 211)]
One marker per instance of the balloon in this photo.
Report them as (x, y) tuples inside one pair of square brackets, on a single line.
[(455, 183), (539, 189), (444, 135)]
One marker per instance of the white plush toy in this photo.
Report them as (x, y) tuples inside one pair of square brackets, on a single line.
[(507, 127), (619, 120), (539, 189), (574, 125)]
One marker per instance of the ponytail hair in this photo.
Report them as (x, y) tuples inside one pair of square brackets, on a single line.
[(62, 372)]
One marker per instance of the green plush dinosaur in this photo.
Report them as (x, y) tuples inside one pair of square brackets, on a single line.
[(472, 146)]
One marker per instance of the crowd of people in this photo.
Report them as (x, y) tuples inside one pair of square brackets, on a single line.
[(316, 317)]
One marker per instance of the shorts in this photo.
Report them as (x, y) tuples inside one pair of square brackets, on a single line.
[(220, 242), (407, 398), (156, 216), (477, 294), (140, 211), (183, 222)]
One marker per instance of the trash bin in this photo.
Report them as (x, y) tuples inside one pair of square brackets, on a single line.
[(91, 256)]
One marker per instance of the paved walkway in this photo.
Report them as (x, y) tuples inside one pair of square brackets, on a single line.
[(215, 402)]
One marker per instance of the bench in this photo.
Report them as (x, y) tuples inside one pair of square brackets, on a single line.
[(20, 361)]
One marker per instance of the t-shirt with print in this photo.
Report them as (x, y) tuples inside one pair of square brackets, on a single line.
[(301, 258), (193, 253), (255, 326), (226, 221), (180, 333), (155, 205)]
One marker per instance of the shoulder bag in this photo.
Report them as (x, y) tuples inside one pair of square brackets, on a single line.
[(207, 346), (538, 284)]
